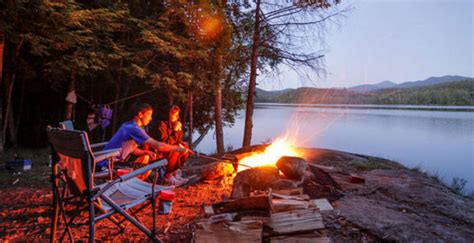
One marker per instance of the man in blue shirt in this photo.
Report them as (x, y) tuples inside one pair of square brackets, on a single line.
[(131, 134)]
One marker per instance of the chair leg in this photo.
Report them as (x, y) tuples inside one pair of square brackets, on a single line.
[(91, 221), (62, 213), (59, 211), (55, 214), (129, 218), (116, 222), (153, 202), (68, 224)]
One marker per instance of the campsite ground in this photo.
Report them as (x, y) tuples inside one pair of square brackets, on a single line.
[(394, 203)]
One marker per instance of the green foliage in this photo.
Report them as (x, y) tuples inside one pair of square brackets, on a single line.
[(452, 93), (108, 50)]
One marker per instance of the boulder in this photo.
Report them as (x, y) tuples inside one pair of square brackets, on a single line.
[(259, 178), (283, 184), (293, 167)]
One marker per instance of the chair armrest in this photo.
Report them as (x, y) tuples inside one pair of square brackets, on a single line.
[(97, 145), (131, 175), (142, 170), (106, 154)]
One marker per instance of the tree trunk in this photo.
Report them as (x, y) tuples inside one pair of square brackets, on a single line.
[(11, 125), (19, 111), (218, 108), (253, 80), (8, 122), (170, 99), (70, 106), (126, 90), (190, 121), (118, 83), (8, 106), (2, 45)]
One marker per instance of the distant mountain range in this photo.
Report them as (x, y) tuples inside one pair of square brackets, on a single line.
[(446, 90), (409, 84)]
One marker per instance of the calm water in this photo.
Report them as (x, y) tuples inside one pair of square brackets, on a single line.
[(438, 141)]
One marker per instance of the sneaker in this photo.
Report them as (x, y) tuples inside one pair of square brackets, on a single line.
[(178, 174), (182, 179), (173, 181)]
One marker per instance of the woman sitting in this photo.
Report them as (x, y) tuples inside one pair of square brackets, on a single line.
[(171, 132)]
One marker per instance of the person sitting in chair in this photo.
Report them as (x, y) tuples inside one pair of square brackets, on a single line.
[(131, 134)]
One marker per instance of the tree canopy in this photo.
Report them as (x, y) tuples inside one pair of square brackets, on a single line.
[(117, 52)]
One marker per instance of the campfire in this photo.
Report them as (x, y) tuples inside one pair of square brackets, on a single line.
[(279, 148), (273, 187)]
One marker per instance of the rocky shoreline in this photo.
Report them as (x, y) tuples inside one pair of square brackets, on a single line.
[(396, 203)]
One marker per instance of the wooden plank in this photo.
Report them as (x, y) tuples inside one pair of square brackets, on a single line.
[(222, 217), (295, 191), (296, 221), (295, 214), (281, 205), (302, 197), (263, 202), (323, 204), (232, 232), (300, 239), (253, 218)]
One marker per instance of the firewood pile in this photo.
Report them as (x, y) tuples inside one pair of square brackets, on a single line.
[(275, 204)]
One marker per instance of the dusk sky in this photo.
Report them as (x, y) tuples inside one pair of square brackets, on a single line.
[(396, 40)]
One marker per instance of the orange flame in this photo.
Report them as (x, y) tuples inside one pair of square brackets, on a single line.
[(280, 147)]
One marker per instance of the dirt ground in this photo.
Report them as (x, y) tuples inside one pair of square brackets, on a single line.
[(374, 211), (26, 208)]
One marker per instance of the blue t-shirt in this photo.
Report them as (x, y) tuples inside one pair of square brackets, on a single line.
[(128, 131)]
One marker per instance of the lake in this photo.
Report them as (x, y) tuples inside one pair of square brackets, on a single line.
[(438, 139)]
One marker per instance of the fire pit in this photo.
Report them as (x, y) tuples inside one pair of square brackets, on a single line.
[(273, 187), (279, 166)]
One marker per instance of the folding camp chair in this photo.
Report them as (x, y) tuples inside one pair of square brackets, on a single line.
[(74, 163), (69, 125)]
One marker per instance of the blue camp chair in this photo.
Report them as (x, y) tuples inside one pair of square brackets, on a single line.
[(69, 125), (73, 163)]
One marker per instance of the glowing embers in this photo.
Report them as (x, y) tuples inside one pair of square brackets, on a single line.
[(280, 147)]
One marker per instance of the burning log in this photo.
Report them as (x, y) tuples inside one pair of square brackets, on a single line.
[(260, 178), (218, 170), (292, 167)]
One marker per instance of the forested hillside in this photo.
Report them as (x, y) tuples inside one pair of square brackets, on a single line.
[(452, 93)]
